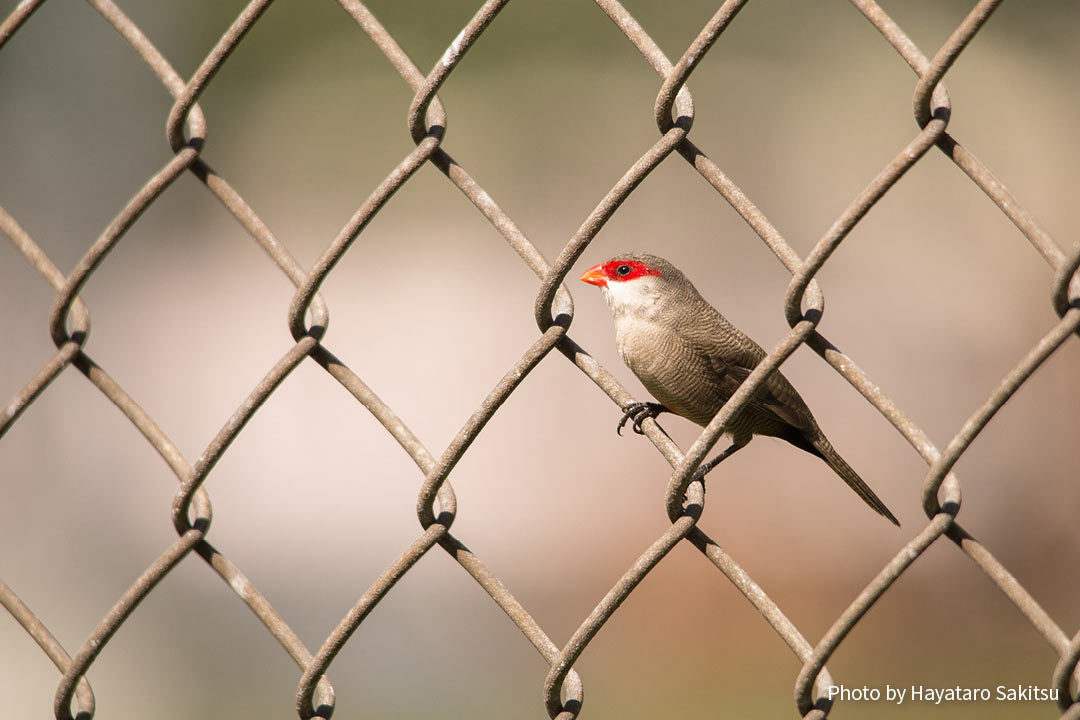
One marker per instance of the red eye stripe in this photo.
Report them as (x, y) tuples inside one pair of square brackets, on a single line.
[(630, 269)]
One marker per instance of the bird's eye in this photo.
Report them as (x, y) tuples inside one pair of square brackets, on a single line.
[(622, 270)]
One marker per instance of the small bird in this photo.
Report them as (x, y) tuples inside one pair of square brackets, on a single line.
[(692, 360)]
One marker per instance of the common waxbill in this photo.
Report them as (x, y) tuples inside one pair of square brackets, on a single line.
[(692, 360)]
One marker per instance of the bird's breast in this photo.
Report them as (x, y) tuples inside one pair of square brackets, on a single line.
[(671, 368)]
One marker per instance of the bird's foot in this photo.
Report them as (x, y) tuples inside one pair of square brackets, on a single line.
[(703, 470), (639, 412), (686, 495), (698, 476)]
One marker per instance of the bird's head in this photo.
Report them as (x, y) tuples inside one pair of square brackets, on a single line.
[(636, 283)]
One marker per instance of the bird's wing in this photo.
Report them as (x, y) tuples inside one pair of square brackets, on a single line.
[(777, 397)]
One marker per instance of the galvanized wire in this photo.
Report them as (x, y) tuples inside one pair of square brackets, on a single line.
[(436, 505)]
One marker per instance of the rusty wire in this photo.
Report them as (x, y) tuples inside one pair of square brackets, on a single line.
[(436, 505)]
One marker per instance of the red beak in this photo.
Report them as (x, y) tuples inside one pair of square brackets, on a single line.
[(595, 276)]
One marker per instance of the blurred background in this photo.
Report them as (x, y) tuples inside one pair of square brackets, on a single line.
[(935, 295)]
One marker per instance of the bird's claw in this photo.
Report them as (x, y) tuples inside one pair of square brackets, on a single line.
[(639, 412)]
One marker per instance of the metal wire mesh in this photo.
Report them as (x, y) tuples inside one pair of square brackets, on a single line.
[(436, 505)]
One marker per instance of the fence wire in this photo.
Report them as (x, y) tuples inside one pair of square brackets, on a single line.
[(673, 113)]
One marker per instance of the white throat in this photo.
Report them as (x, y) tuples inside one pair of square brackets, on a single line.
[(635, 300)]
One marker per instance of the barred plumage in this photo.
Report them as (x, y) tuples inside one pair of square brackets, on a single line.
[(692, 360)]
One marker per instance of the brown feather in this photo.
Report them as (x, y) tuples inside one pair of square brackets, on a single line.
[(692, 360)]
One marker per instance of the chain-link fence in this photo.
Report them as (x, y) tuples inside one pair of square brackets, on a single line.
[(553, 312)]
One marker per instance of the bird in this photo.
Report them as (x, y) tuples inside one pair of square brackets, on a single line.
[(692, 359)]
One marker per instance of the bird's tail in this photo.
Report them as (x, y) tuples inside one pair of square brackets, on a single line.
[(824, 450)]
